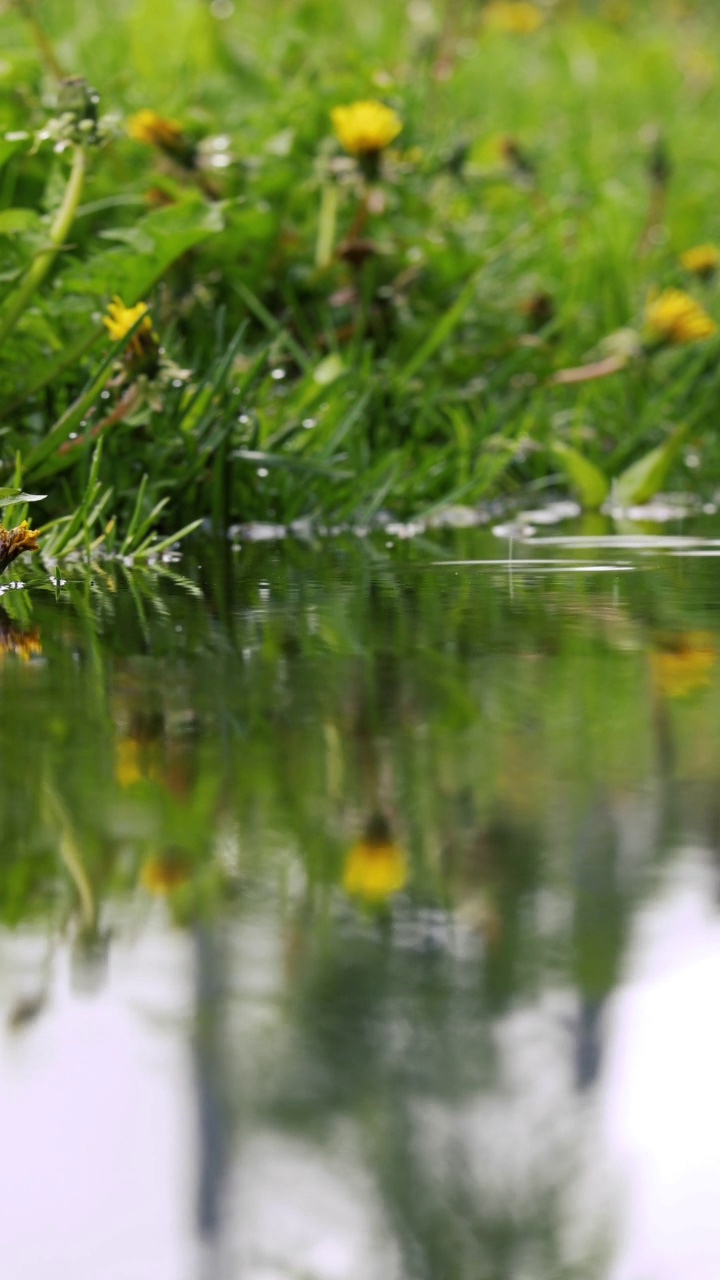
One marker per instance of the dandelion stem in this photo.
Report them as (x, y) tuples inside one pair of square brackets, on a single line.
[(357, 225), (122, 408), (326, 225), (57, 236)]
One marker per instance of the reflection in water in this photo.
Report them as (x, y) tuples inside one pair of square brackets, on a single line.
[(602, 905), (350, 923), (659, 1093), (214, 1113), (375, 867), (680, 664), (93, 1175), (18, 641)]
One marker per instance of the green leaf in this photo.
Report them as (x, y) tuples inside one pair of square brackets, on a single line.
[(158, 239), (9, 496), (586, 480), (639, 482), (135, 237)]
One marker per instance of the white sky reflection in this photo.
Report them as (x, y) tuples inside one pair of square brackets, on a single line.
[(95, 1160), (660, 1087), (99, 1119)]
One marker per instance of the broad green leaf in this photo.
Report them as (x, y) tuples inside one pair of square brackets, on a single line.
[(586, 480), (9, 496), (642, 480), (134, 237), (164, 235)]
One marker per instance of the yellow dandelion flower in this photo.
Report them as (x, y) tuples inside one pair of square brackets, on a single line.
[(375, 867), (120, 319), (162, 872), (366, 127), (156, 130), (518, 17), (702, 259), (14, 541), (142, 350), (682, 663), (674, 317)]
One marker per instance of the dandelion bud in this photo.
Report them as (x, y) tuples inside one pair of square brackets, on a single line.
[(78, 99), (166, 134)]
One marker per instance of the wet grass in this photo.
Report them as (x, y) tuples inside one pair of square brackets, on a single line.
[(338, 350)]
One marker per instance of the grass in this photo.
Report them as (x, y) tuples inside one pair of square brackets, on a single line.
[(333, 349)]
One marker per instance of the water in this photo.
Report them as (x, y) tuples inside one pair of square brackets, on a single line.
[(359, 913)]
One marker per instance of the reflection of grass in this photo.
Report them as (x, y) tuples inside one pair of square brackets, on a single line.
[(348, 703), (71, 857)]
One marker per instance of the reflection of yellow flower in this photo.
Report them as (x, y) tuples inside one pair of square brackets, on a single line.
[(673, 316), (14, 541), (156, 130), (374, 869), (517, 16), (365, 127), (163, 872), (682, 663), (23, 644), (127, 761), (702, 259), (137, 758)]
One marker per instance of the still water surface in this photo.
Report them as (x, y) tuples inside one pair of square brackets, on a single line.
[(360, 912)]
